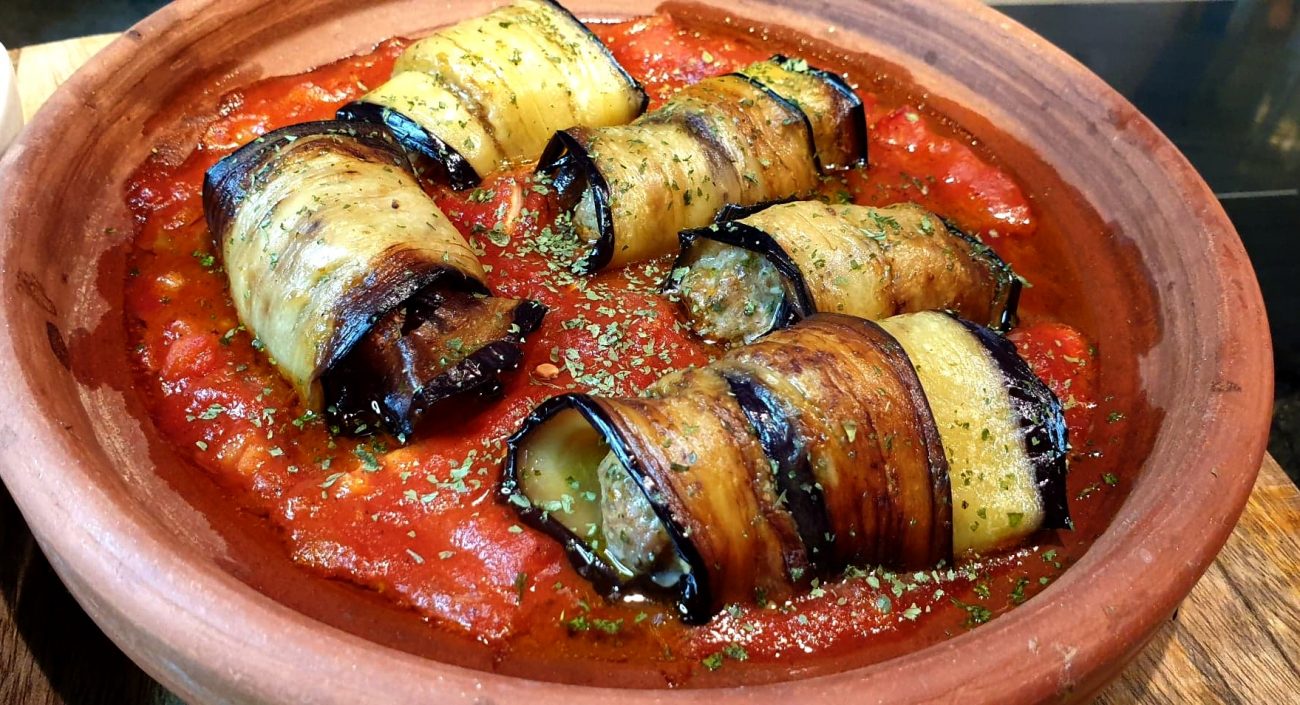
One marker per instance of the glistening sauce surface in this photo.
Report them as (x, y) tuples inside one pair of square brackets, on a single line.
[(419, 522)]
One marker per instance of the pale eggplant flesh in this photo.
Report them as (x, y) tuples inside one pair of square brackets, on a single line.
[(488, 92), (364, 295), (1003, 430)]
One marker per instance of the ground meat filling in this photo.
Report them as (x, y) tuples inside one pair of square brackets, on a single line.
[(732, 295), (635, 539)]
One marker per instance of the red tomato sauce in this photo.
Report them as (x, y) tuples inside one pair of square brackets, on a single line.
[(420, 523)]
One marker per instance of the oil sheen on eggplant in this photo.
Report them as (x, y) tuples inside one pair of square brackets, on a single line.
[(836, 442), (740, 278), (363, 293), (490, 91), (741, 138)]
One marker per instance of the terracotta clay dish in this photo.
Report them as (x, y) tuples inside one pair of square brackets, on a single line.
[(839, 352)]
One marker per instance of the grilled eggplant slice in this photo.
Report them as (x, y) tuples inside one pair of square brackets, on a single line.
[(363, 293), (862, 442), (739, 279), (491, 91), (727, 139), (1003, 430), (670, 495), (834, 112)]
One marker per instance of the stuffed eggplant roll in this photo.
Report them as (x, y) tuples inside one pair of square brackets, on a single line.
[(739, 279), (490, 91), (727, 139), (879, 449), (363, 293), (668, 496)]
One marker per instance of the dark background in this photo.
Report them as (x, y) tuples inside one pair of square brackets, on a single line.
[(1220, 77)]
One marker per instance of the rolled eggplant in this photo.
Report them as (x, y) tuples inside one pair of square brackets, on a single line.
[(1003, 430), (489, 92), (868, 442), (365, 296), (727, 139), (739, 279)]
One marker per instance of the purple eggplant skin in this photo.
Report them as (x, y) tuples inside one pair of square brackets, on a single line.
[(572, 170), (1042, 418), (691, 596), (449, 166), (360, 401), (794, 477)]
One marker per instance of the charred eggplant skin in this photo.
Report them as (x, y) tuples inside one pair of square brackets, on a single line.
[(1042, 420), (692, 596), (326, 235), (572, 168), (354, 389), (454, 168)]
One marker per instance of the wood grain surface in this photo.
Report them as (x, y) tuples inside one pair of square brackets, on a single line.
[(1235, 639)]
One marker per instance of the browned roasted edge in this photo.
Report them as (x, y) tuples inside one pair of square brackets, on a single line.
[(692, 596)]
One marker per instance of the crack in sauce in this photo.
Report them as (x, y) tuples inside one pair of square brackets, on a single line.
[(419, 522)]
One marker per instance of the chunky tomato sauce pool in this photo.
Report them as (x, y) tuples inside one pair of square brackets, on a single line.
[(419, 521)]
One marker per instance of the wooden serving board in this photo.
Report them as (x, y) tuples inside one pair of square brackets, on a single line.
[(1236, 638)]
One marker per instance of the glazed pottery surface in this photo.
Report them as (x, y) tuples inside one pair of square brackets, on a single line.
[(205, 597)]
